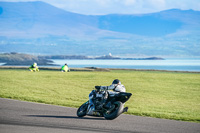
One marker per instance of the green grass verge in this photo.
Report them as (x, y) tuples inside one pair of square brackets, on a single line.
[(166, 95)]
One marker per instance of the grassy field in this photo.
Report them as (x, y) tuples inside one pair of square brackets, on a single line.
[(166, 95)]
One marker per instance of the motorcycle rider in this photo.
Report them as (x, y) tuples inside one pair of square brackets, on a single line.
[(116, 87), (65, 68), (34, 67)]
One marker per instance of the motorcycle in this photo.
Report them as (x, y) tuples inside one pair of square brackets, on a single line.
[(110, 110)]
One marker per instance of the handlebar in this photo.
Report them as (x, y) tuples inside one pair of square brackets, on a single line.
[(98, 87)]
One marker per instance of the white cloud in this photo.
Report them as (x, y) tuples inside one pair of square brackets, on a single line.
[(93, 7), (102, 2), (129, 2), (157, 3), (184, 4)]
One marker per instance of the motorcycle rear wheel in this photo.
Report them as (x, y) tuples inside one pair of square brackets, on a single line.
[(115, 112), (82, 110)]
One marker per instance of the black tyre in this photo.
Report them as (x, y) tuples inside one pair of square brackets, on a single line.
[(82, 110), (115, 112)]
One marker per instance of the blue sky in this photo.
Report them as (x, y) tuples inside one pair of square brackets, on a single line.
[(102, 7)]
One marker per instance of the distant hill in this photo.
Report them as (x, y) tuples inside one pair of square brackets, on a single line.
[(40, 28), (22, 59)]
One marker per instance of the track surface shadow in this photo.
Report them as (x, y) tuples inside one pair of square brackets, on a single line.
[(67, 117)]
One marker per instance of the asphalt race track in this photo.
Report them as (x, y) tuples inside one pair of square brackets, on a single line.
[(26, 117)]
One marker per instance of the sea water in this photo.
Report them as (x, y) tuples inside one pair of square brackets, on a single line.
[(167, 64)]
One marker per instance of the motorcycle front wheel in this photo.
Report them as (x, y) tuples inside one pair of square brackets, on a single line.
[(115, 111), (82, 110)]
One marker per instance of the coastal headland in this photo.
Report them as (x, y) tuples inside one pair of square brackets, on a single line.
[(18, 59)]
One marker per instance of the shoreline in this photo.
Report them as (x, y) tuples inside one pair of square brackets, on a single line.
[(94, 69)]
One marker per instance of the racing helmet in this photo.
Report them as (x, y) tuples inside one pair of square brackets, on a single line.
[(116, 81), (35, 63)]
